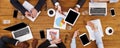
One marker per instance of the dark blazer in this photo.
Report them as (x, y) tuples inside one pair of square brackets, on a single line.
[(54, 1), (81, 2), (47, 43), (19, 6), (5, 40)]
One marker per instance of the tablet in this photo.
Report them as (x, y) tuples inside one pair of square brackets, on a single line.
[(84, 39), (72, 16)]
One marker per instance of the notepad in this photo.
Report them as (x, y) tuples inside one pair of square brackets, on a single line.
[(54, 32), (28, 6), (97, 23)]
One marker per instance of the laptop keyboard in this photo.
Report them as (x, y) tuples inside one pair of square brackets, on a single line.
[(21, 32), (98, 10)]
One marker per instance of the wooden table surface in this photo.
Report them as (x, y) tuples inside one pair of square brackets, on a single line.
[(43, 22)]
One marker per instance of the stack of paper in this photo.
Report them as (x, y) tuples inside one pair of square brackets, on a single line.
[(97, 23)]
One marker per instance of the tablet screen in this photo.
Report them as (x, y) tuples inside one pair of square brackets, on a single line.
[(71, 17), (84, 39)]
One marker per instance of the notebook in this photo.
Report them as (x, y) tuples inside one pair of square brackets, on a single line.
[(54, 32), (28, 6), (97, 23)]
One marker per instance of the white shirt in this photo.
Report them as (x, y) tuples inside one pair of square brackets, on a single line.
[(73, 43)]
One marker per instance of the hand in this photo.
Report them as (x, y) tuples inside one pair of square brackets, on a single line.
[(28, 13), (56, 41), (34, 12), (23, 44), (75, 34), (52, 36), (76, 8), (59, 9), (92, 26)]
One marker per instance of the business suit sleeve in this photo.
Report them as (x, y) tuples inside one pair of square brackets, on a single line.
[(54, 1), (61, 45), (81, 3), (9, 40), (39, 5), (18, 6), (44, 44)]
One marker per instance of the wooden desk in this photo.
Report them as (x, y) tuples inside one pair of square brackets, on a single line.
[(43, 22)]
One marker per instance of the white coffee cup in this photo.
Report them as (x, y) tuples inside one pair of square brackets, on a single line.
[(109, 31), (51, 12)]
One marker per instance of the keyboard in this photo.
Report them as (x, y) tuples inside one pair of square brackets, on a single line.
[(21, 32), (98, 10)]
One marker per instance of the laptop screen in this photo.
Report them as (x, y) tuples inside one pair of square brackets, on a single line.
[(71, 17), (16, 27)]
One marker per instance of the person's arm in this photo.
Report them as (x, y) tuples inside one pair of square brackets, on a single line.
[(9, 40), (18, 6), (80, 3), (73, 43), (61, 45), (99, 41), (2, 44), (44, 44), (55, 2), (39, 5)]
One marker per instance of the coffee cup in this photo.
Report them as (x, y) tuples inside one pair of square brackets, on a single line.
[(51, 12), (109, 31)]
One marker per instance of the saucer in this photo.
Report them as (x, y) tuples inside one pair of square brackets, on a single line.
[(107, 30)]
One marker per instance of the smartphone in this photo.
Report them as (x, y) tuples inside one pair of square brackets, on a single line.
[(42, 34), (84, 39), (15, 13), (112, 11)]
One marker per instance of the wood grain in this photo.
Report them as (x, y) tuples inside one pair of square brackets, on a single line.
[(43, 22)]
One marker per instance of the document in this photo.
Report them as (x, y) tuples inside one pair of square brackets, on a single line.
[(28, 6), (59, 21), (97, 23), (54, 32)]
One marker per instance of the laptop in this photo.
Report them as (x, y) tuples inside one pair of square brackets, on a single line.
[(72, 17), (98, 8), (20, 32)]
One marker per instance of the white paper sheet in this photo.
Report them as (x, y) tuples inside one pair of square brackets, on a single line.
[(91, 32), (59, 21)]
